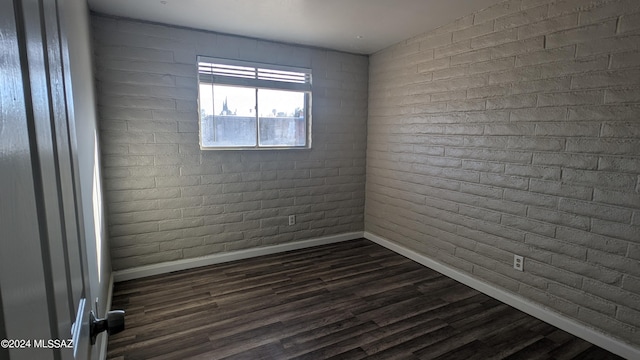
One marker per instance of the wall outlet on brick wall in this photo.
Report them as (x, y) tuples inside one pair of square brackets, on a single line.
[(292, 219), (518, 262)]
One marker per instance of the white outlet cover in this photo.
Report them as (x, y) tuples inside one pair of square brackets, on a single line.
[(518, 262)]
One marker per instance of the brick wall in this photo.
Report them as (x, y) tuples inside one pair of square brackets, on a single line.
[(516, 130), (168, 200)]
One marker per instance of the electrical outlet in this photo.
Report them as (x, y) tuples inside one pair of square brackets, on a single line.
[(518, 262), (292, 219)]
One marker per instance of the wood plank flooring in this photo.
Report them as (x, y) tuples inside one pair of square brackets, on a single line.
[(351, 300)]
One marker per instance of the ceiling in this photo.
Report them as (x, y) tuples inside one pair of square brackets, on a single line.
[(357, 26)]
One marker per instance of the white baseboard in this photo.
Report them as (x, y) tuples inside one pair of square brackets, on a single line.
[(155, 269), (547, 315)]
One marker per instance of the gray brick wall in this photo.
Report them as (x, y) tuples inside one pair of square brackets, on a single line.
[(516, 130), (167, 200)]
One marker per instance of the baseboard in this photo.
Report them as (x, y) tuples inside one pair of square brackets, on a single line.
[(163, 268), (549, 316), (103, 340)]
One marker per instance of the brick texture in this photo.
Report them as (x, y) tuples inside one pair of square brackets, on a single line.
[(523, 138), (168, 200)]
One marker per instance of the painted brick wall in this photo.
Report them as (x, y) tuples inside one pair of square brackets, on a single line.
[(516, 130), (168, 200)]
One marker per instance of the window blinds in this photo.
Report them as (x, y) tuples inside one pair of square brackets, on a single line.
[(243, 73)]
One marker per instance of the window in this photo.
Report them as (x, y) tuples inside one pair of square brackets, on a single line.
[(245, 105)]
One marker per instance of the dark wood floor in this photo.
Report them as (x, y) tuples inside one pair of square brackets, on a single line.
[(351, 300)]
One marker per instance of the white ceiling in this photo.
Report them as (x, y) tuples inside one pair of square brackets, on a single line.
[(357, 26)]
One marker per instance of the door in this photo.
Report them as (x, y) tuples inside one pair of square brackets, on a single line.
[(44, 283)]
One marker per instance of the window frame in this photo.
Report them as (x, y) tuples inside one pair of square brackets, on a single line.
[(261, 80)]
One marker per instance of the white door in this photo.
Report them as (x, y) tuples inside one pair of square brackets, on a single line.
[(43, 265)]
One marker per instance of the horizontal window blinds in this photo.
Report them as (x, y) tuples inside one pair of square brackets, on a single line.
[(243, 73)]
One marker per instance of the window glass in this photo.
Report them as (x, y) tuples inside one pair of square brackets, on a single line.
[(282, 118)]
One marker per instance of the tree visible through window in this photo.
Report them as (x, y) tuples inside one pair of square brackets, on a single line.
[(247, 105)]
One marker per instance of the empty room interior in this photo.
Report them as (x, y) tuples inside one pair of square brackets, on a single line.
[(412, 179)]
